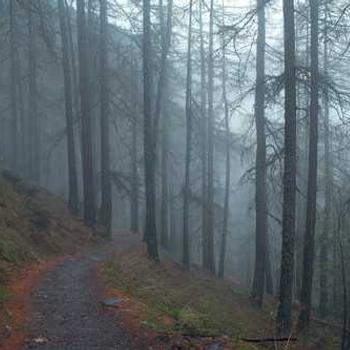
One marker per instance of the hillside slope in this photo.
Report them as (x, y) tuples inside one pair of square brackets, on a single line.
[(194, 310), (34, 225)]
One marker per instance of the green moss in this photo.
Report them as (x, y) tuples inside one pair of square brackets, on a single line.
[(4, 294), (198, 306), (35, 224)]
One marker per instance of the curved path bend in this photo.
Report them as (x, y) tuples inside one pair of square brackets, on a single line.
[(68, 312)]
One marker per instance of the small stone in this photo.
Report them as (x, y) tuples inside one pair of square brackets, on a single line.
[(6, 332), (110, 302), (40, 340), (213, 346)]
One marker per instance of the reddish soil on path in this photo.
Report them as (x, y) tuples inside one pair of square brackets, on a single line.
[(18, 308), (56, 305)]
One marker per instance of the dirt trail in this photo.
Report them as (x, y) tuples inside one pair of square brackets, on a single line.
[(68, 311)]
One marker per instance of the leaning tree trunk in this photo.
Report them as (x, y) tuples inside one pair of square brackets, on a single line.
[(309, 235), (73, 199), (284, 314), (186, 213), (150, 234), (209, 260), (88, 177), (106, 195), (260, 178)]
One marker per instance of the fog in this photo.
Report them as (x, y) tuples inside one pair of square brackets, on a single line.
[(171, 119)]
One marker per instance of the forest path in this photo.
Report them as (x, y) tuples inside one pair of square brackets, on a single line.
[(68, 313)]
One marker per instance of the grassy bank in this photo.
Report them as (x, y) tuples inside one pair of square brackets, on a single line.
[(174, 302), (34, 224)]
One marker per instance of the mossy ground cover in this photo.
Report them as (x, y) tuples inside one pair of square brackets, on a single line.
[(173, 301), (34, 224)]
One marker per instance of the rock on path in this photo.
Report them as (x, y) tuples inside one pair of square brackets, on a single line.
[(68, 313)]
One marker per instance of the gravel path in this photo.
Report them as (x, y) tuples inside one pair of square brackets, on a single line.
[(68, 313)]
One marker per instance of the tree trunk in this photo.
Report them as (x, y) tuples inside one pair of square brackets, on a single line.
[(165, 184), (88, 183), (260, 178), (106, 195), (309, 235), (268, 269), (162, 91), (345, 344), (303, 102), (23, 159), (13, 92), (93, 64), (72, 55), (134, 200), (284, 314), (73, 199), (323, 302), (204, 140), (221, 270), (34, 124), (150, 234), (186, 213), (209, 260)]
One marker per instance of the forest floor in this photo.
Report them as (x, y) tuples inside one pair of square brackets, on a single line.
[(176, 309), (111, 296), (60, 290)]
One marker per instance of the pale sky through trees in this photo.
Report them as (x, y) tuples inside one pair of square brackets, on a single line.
[(208, 137)]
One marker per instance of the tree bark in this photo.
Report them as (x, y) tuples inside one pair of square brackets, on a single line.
[(134, 200), (34, 124), (323, 302), (73, 61), (268, 269), (88, 183), (309, 235), (345, 343), (221, 269), (162, 91), (73, 199), (13, 84), (284, 314), (165, 183), (93, 64), (23, 159), (204, 139), (106, 195), (209, 260), (260, 178), (186, 238), (150, 234)]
